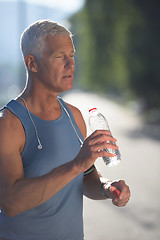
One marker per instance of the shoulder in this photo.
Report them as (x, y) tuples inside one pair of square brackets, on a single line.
[(7, 118), (78, 118), (11, 129)]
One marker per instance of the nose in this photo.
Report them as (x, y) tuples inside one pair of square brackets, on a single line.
[(69, 62)]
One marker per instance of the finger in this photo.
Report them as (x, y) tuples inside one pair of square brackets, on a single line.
[(103, 153), (123, 198), (101, 146), (115, 192), (120, 201), (125, 192), (119, 204), (100, 138), (121, 185), (99, 132)]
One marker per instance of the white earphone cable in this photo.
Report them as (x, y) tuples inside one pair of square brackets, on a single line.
[(36, 132), (71, 122), (39, 142)]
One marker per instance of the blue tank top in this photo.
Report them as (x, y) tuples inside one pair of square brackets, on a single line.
[(59, 218)]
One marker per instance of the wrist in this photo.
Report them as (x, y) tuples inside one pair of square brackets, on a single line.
[(77, 167), (105, 188), (108, 190)]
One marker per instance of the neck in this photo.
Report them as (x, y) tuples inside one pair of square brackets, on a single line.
[(35, 91), (41, 102)]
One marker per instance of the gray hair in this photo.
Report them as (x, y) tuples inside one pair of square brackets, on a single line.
[(32, 39)]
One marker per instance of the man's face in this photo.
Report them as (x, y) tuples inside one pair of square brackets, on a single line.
[(56, 66)]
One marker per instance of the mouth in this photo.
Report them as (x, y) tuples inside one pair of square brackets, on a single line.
[(67, 76)]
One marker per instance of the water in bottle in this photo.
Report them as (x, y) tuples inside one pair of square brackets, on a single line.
[(98, 122)]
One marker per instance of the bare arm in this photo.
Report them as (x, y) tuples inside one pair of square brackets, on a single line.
[(92, 186), (94, 189), (93, 182), (18, 194)]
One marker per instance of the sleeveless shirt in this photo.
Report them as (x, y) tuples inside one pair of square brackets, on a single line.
[(59, 218)]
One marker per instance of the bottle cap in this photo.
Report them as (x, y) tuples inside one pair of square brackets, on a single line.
[(92, 109)]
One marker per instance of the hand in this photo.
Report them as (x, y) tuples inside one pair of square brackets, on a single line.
[(93, 148), (124, 195)]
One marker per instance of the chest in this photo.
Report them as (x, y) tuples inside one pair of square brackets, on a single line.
[(60, 145)]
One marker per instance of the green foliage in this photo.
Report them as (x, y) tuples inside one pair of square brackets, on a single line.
[(118, 48), (145, 51)]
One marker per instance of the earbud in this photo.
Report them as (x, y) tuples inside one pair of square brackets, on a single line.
[(39, 146)]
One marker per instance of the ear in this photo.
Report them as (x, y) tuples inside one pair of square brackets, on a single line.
[(31, 63)]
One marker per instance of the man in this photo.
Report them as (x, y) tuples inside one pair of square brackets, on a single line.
[(45, 169)]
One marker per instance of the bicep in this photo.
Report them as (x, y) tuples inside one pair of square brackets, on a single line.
[(11, 166), (10, 159)]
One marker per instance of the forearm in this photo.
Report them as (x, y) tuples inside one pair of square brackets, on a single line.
[(93, 186), (98, 188), (18, 194), (27, 193)]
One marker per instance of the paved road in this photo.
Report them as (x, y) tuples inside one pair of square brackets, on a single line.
[(140, 166)]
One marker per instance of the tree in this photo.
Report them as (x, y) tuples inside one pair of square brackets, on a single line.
[(119, 48)]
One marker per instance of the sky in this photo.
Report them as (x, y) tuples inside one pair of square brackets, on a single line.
[(68, 6), (10, 53)]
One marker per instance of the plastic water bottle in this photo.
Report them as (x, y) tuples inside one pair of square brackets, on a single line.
[(98, 122)]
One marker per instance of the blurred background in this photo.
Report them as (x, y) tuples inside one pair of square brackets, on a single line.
[(117, 70)]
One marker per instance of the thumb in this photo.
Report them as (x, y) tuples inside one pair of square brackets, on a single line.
[(114, 191)]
